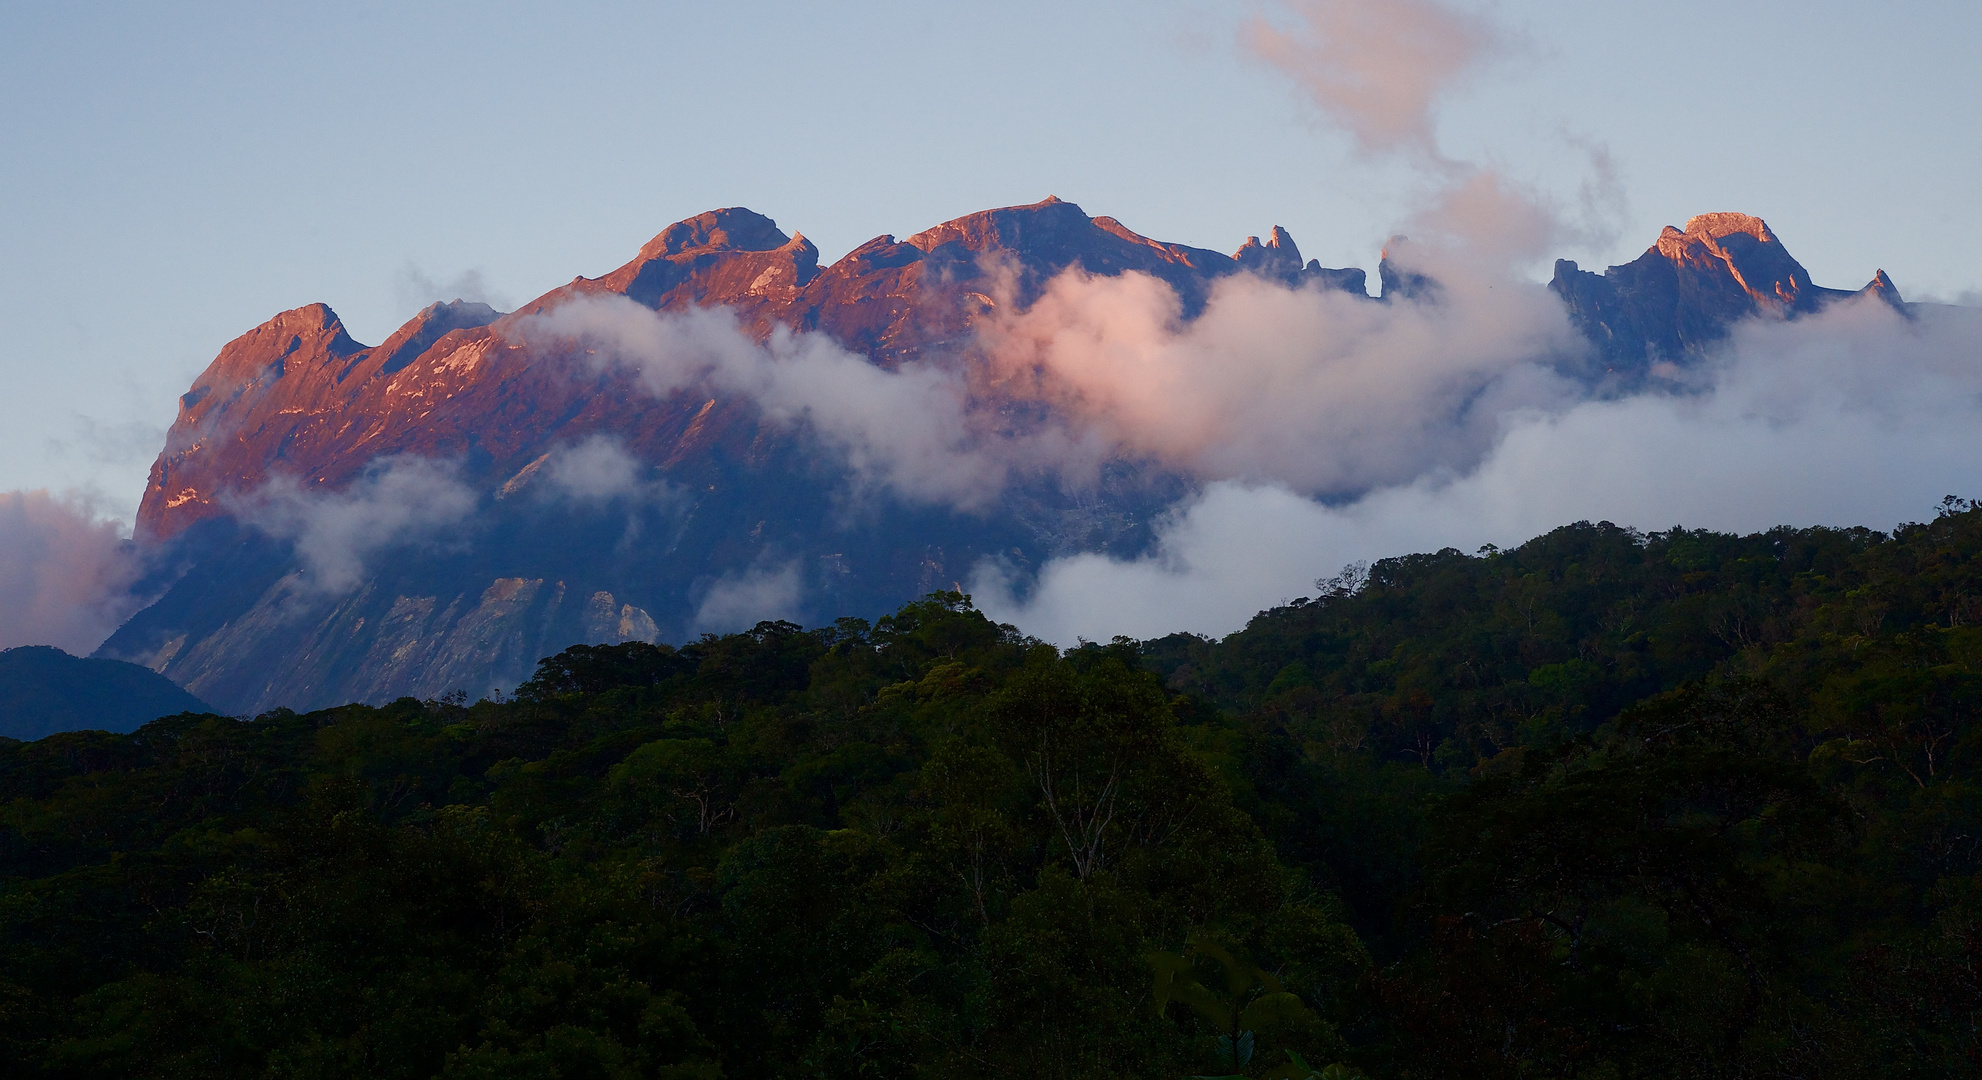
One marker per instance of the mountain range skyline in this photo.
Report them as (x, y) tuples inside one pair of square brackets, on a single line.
[(145, 163), (722, 430)]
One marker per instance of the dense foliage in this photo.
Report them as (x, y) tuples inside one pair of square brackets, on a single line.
[(1608, 805)]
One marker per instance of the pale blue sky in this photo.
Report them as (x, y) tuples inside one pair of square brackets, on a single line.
[(174, 174)]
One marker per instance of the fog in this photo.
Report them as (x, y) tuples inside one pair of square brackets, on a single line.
[(396, 501), (1857, 416), (738, 601), (907, 432)]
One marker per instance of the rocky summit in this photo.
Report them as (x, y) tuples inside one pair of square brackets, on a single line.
[(1683, 293), (741, 507)]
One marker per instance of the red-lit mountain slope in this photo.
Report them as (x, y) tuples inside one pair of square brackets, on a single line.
[(297, 394), (744, 504)]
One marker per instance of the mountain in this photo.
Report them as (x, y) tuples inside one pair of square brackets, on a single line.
[(44, 690), (734, 510), (299, 394), (1683, 293)]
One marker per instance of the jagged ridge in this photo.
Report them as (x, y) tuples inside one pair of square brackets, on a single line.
[(1683, 293), (298, 397)]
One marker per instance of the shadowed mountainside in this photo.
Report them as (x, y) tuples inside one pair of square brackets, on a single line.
[(44, 690), (1683, 293)]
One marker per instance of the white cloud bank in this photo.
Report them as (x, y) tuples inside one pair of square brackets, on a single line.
[(1315, 389), (1312, 388), (1855, 416)]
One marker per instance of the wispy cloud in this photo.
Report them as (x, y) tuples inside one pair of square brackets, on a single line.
[(396, 501), (741, 600), (908, 431), (1377, 71), (65, 572), (415, 288), (599, 470)]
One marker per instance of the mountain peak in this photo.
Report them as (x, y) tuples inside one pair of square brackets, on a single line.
[(1741, 249), (1724, 235), (1279, 257), (434, 321), (310, 326), (1050, 219), (1717, 226), (1723, 267), (1882, 287), (731, 228)]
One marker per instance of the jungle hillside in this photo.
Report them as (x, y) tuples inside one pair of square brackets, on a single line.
[(1610, 804)]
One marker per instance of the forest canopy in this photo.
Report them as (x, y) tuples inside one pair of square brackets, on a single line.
[(1610, 804)]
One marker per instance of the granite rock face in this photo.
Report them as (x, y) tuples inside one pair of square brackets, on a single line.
[(731, 505), (1683, 293)]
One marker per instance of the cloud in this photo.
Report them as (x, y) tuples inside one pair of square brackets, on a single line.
[(1376, 70), (1857, 415), (1315, 389), (594, 474), (907, 430), (599, 470), (1379, 71), (395, 501), (414, 288), (109, 443), (65, 572), (596, 470), (740, 601)]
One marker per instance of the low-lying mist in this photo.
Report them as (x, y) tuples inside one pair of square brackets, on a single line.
[(1857, 416)]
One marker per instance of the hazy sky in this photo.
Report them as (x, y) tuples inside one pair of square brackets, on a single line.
[(175, 174)]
